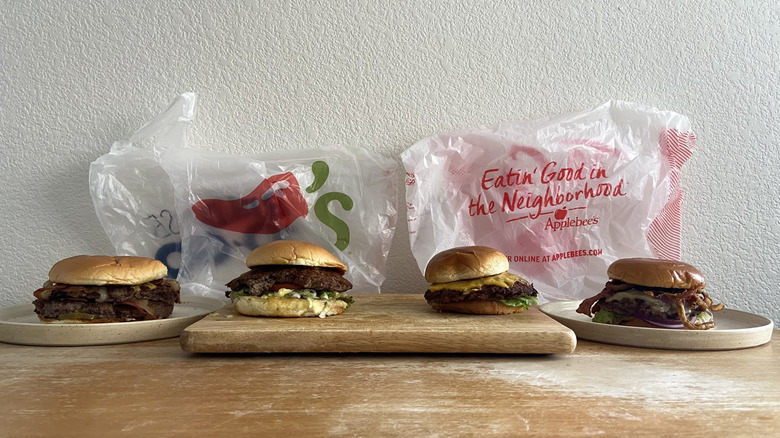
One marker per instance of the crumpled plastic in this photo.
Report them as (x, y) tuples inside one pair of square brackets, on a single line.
[(341, 199), (563, 197), (201, 212), (131, 193)]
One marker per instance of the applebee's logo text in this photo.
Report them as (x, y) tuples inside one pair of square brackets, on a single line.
[(560, 220), (511, 192)]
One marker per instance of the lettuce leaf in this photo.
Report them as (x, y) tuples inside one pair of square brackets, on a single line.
[(238, 293), (302, 293), (607, 317), (524, 302), (704, 317)]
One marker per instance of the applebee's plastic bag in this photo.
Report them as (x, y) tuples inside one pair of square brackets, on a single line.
[(341, 199), (562, 197), (131, 193)]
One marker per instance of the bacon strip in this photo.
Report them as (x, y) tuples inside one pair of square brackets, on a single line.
[(45, 292), (588, 305), (591, 305), (697, 299)]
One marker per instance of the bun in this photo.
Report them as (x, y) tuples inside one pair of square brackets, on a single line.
[(465, 263), (96, 270), (656, 273), (287, 307), (293, 252), (80, 321), (477, 307), (637, 322)]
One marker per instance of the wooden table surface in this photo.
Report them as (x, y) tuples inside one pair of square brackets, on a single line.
[(156, 388)]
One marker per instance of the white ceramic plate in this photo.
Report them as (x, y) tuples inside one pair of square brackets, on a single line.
[(20, 325), (734, 329)]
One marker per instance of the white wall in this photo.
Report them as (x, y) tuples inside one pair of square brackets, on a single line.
[(76, 76)]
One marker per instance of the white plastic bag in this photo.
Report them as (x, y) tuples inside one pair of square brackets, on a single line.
[(341, 199), (131, 193), (562, 197)]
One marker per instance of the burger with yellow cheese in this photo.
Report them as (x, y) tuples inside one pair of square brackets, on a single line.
[(475, 279)]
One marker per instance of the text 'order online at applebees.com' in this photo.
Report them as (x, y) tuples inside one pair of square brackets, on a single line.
[(537, 258)]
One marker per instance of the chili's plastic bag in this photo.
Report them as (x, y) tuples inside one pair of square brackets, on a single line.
[(341, 199), (562, 197), (131, 193)]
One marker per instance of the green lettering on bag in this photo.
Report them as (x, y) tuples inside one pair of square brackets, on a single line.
[(326, 217), (321, 171)]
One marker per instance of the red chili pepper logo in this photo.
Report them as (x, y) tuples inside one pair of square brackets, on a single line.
[(271, 207)]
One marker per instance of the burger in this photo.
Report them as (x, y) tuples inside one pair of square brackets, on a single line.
[(290, 278), (97, 289), (650, 292), (475, 279)]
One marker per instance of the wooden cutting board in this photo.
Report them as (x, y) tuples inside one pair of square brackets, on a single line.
[(381, 323)]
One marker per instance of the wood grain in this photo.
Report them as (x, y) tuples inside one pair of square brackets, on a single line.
[(157, 389), (381, 323)]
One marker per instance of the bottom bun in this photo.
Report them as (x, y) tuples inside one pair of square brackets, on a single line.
[(477, 307), (288, 307), (637, 322), (84, 321)]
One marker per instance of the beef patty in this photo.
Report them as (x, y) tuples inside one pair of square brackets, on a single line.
[(262, 279), (485, 293), (53, 309), (159, 290), (151, 300)]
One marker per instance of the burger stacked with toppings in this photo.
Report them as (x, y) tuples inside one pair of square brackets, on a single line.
[(653, 293), (95, 289), (475, 279), (290, 278)]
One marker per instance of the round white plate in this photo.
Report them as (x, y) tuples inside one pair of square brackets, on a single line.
[(734, 329), (20, 325)]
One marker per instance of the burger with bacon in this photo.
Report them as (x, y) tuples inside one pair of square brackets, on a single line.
[(98, 289), (656, 293), (291, 278)]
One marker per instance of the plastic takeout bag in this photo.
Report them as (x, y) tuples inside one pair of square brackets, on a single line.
[(131, 193), (341, 199), (562, 197)]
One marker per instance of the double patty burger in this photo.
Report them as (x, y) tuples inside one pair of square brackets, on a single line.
[(474, 279), (93, 289), (290, 278), (653, 293)]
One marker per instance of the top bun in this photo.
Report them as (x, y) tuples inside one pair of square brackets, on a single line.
[(465, 263), (97, 270), (293, 252), (656, 273)]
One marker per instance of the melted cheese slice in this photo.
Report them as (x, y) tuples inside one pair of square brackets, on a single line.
[(502, 280)]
